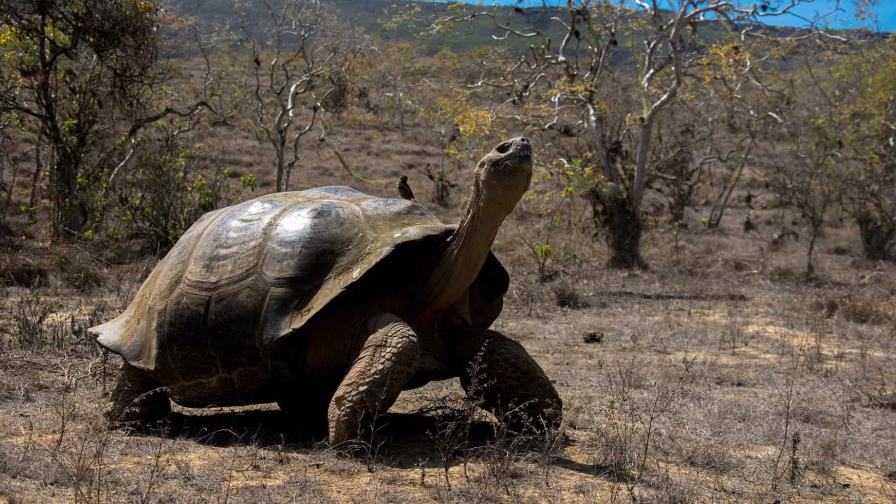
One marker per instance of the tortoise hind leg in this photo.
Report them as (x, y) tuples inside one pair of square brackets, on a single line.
[(498, 373), (137, 399)]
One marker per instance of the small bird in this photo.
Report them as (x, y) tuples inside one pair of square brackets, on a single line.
[(404, 190)]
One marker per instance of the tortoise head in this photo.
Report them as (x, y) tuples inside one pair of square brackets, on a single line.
[(502, 177)]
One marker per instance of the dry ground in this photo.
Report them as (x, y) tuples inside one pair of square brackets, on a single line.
[(719, 376)]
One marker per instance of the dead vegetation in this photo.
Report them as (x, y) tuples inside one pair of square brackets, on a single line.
[(695, 392)]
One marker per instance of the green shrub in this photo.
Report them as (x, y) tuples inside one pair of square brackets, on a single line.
[(161, 194)]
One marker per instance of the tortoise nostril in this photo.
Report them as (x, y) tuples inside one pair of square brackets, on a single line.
[(503, 148)]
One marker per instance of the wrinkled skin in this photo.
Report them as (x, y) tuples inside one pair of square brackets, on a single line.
[(421, 313)]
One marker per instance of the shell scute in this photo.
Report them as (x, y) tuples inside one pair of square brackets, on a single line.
[(179, 323), (230, 326), (171, 269), (341, 193), (229, 250), (311, 239)]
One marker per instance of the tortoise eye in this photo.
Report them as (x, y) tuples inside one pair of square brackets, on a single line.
[(503, 148)]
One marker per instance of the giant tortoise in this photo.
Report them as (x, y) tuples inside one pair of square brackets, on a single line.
[(330, 302)]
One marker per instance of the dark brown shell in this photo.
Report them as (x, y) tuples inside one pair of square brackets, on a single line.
[(263, 267)]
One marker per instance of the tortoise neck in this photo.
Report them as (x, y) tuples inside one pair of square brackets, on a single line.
[(465, 252)]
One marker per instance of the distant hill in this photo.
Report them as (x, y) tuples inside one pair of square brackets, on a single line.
[(377, 17), (384, 19)]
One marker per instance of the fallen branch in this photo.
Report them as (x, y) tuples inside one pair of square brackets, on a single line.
[(685, 297)]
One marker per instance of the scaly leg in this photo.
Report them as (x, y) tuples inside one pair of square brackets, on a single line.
[(386, 363), (497, 372)]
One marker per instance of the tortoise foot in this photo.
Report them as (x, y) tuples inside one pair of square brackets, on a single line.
[(136, 401), (145, 410)]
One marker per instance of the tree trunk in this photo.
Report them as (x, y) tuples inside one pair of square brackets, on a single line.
[(721, 203), (281, 168), (613, 209), (289, 168), (644, 138), (35, 177), (717, 211), (615, 214), (878, 236), (71, 211), (440, 184), (810, 265), (7, 188), (679, 202)]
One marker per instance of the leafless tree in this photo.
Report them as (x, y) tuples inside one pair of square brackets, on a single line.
[(389, 83), (809, 186), (291, 71), (679, 165), (809, 176), (580, 77), (739, 109)]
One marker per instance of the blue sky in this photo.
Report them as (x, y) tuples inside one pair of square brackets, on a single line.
[(884, 11)]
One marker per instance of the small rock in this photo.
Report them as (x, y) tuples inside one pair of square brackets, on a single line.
[(593, 337)]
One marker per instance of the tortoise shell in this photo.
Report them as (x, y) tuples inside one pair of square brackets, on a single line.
[(246, 275)]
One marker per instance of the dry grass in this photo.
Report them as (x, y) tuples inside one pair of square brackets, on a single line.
[(719, 376), (683, 400)]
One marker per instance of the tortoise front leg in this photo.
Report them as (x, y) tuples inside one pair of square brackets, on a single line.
[(503, 378), (386, 363)]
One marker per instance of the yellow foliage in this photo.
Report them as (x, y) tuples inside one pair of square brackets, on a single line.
[(10, 46), (453, 112), (473, 122), (144, 7), (571, 88), (724, 61), (446, 59), (7, 35), (870, 106), (402, 14)]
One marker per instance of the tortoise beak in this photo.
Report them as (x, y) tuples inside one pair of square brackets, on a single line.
[(523, 146), (516, 151)]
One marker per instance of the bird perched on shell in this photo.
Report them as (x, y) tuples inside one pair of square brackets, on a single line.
[(404, 189)]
